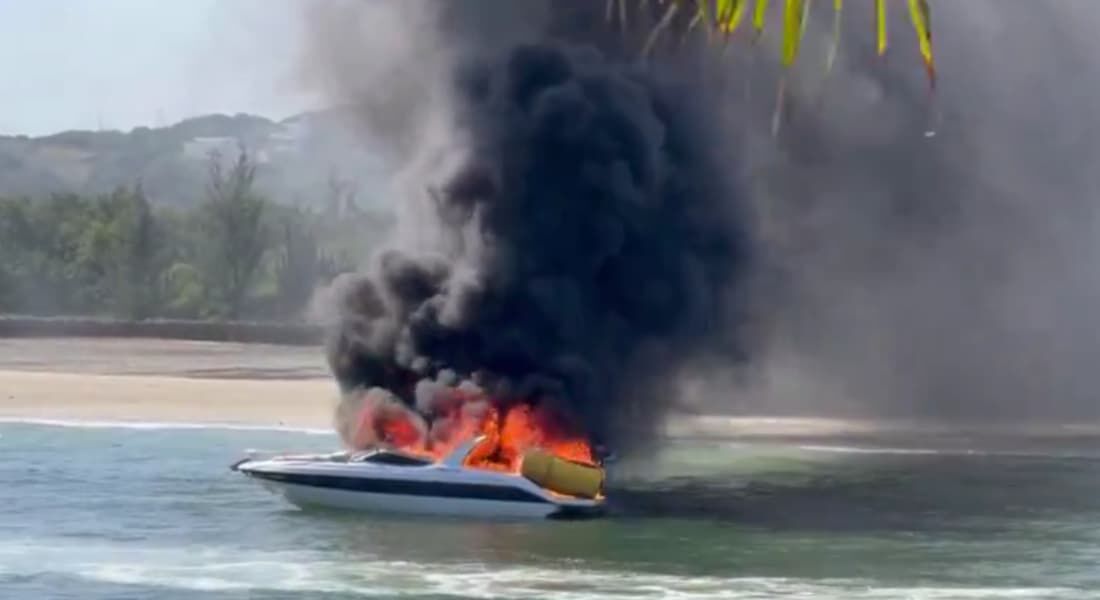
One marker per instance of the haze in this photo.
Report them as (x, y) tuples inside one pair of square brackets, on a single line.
[(117, 64)]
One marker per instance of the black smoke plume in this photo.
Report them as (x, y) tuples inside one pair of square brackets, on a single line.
[(860, 266), (587, 245)]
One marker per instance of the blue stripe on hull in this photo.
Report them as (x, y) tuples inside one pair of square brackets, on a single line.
[(406, 487)]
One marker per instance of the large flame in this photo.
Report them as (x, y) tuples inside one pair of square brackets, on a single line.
[(508, 431)]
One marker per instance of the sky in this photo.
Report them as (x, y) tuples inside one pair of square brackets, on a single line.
[(117, 64)]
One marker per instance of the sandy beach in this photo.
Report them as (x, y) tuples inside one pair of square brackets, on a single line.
[(151, 398), (170, 381), (164, 381)]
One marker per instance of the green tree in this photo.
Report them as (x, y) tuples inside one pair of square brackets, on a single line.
[(301, 264), (61, 255), (184, 292), (183, 287), (10, 253), (114, 254), (137, 252), (8, 298), (236, 237)]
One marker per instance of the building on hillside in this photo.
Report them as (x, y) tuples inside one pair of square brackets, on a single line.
[(201, 148)]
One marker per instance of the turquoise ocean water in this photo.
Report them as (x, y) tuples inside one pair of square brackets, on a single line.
[(107, 511)]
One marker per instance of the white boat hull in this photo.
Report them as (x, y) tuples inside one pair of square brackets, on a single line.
[(443, 488), (313, 497)]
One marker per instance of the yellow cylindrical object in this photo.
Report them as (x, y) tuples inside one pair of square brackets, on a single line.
[(561, 475)]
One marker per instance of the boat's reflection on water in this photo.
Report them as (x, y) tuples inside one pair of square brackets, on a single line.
[(826, 510)]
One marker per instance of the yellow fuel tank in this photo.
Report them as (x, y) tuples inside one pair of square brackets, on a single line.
[(561, 475)]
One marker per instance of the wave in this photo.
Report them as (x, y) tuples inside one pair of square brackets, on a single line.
[(158, 425), (389, 579), (871, 450), (561, 585), (214, 570)]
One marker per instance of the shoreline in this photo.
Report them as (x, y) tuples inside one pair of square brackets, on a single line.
[(165, 399), (307, 405), (251, 332), (137, 383)]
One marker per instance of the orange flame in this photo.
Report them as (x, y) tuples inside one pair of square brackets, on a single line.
[(508, 433)]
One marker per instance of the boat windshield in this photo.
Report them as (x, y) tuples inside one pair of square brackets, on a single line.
[(385, 457)]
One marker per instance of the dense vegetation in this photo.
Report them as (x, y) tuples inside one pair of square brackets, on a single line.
[(235, 255), (229, 251), (295, 158)]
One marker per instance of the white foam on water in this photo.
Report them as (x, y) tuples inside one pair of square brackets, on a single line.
[(870, 450), (158, 425), (209, 569), (386, 579)]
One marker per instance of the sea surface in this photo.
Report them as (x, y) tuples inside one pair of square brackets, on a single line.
[(107, 510)]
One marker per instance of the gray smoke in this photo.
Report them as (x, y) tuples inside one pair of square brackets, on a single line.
[(951, 276), (579, 228)]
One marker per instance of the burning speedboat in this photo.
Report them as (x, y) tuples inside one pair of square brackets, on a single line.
[(463, 453), (459, 484)]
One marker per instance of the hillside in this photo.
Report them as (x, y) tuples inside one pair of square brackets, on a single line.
[(300, 159)]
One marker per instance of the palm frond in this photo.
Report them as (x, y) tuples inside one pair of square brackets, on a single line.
[(921, 15), (722, 18), (759, 16), (662, 25), (793, 16), (834, 47), (880, 26)]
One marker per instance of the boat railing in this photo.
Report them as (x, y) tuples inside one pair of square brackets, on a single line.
[(457, 457)]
